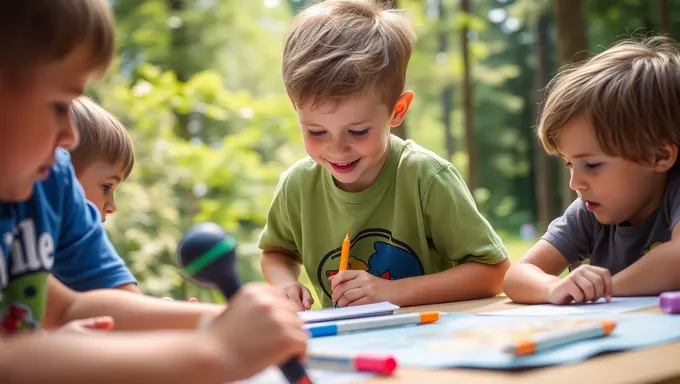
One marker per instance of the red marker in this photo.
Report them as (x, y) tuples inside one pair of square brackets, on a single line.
[(379, 364)]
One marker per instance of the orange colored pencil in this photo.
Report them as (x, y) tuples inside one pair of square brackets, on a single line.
[(344, 258), (344, 254)]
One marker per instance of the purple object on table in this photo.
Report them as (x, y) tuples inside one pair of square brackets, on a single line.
[(669, 302)]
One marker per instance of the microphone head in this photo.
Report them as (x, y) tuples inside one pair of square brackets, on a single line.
[(207, 254)]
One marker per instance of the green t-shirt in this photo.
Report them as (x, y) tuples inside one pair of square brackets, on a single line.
[(417, 218)]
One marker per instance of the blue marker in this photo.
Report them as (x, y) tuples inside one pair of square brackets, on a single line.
[(334, 328)]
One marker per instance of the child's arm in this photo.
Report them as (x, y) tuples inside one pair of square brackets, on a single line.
[(535, 277), (257, 330), (529, 279), (129, 311), (281, 268), (280, 261), (654, 273)]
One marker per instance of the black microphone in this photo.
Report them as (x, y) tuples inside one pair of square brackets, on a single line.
[(207, 255)]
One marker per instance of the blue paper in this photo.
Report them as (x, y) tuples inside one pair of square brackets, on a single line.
[(465, 340)]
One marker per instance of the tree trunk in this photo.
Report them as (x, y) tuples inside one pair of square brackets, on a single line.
[(572, 46), (664, 18), (399, 131), (179, 45), (545, 180), (468, 111), (447, 89)]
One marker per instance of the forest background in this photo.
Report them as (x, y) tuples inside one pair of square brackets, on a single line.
[(197, 83)]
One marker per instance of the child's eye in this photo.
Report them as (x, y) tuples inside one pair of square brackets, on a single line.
[(315, 133), (107, 188), (593, 165), (359, 132), (61, 108)]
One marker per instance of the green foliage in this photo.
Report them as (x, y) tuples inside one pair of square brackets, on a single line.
[(200, 90)]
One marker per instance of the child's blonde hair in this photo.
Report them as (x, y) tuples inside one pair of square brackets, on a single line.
[(630, 93), (38, 31), (340, 48), (102, 138)]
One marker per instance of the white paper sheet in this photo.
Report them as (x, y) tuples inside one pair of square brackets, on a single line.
[(617, 305), (330, 314)]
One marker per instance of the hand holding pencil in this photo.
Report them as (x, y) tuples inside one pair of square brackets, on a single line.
[(344, 258)]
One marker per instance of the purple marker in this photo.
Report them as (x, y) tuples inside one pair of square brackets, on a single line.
[(669, 302)]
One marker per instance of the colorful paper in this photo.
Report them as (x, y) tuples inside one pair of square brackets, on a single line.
[(465, 340)]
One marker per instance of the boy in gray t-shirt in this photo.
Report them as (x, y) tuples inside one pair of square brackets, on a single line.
[(614, 121)]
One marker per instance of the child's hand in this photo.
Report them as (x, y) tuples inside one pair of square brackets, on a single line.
[(257, 330), (585, 283), (85, 326), (353, 287), (299, 295)]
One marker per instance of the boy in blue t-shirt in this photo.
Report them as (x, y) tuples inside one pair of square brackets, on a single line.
[(49, 51)]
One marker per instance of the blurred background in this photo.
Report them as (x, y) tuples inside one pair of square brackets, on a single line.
[(197, 83)]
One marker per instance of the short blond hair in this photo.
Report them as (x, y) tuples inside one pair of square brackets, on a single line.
[(102, 138), (630, 93), (341, 48)]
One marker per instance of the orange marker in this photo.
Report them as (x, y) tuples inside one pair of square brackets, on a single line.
[(559, 338), (344, 257)]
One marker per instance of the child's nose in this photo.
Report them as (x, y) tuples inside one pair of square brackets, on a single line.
[(576, 182), (338, 147), (110, 208), (67, 136)]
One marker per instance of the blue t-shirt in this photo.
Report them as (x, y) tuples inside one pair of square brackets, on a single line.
[(55, 231)]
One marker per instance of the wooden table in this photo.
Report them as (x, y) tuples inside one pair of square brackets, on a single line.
[(649, 365)]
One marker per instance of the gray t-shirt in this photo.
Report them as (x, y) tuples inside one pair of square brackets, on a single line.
[(581, 238)]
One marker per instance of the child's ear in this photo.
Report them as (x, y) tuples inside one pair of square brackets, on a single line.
[(401, 108), (665, 156)]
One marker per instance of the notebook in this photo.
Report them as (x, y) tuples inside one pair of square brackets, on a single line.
[(332, 314)]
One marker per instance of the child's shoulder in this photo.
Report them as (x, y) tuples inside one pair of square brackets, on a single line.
[(303, 172), (416, 160)]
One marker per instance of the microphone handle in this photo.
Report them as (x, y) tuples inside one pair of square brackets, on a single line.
[(292, 369)]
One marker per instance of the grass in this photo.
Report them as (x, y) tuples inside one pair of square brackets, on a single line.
[(516, 248)]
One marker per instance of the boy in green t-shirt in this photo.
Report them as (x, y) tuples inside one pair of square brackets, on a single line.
[(410, 214)]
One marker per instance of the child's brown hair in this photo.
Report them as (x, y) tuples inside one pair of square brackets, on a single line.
[(102, 138), (38, 31), (630, 93), (340, 48)]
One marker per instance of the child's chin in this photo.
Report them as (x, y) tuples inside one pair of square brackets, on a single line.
[(17, 194), (606, 220)]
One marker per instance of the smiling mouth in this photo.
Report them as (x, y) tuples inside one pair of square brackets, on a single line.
[(344, 167)]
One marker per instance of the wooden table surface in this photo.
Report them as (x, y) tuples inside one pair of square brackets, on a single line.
[(649, 365)]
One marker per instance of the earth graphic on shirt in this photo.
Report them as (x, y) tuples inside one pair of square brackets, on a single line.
[(375, 251)]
